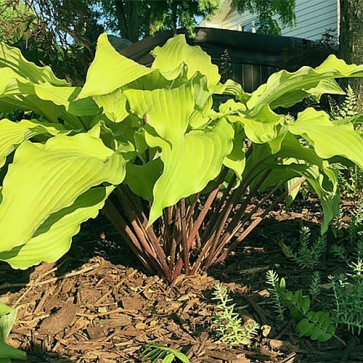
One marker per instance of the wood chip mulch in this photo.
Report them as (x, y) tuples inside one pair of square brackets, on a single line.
[(103, 312)]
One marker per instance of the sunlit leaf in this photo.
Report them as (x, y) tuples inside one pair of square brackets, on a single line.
[(113, 105), (51, 177), (12, 58), (53, 238), (170, 58), (285, 88), (189, 164), (13, 134), (329, 139), (110, 70), (166, 110)]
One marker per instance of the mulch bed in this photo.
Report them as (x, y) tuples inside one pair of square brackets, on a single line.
[(89, 308)]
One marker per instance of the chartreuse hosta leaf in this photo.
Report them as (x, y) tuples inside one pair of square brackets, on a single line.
[(66, 97), (53, 102), (7, 353), (268, 127), (53, 238), (264, 129), (236, 160), (189, 164), (285, 88), (113, 105), (166, 110), (326, 187), (169, 60), (156, 80), (141, 178), (12, 58), (329, 139), (110, 70), (51, 177), (25, 86), (298, 160), (13, 134), (7, 318)]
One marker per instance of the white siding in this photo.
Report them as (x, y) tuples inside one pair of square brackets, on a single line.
[(313, 17), (235, 20)]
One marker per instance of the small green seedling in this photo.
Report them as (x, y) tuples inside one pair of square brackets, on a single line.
[(156, 353)]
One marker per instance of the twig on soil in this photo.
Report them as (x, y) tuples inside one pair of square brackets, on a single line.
[(290, 358), (93, 316), (54, 279), (35, 320), (257, 309), (30, 287), (254, 270), (108, 293)]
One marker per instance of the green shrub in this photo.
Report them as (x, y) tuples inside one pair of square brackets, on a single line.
[(175, 176)]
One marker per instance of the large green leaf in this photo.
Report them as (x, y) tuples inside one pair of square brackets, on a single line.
[(7, 318), (141, 178), (110, 70), (302, 161), (66, 97), (13, 134), (12, 58), (189, 164), (51, 177), (7, 353), (264, 129), (169, 60), (156, 80), (113, 105), (236, 160), (285, 88), (53, 238), (329, 139), (166, 110), (53, 102)]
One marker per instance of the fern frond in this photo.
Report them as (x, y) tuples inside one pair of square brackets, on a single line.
[(317, 325), (308, 255), (314, 288), (348, 108), (272, 278)]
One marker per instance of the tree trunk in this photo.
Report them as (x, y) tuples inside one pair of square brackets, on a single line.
[(127, 13), (351, 40)]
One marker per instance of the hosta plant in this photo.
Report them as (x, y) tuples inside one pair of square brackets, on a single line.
[(7, 318), (173, 157)]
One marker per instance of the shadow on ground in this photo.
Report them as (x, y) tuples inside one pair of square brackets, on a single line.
[(39, 355)]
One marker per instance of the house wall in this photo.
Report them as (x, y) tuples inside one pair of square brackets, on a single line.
[(313, 17)]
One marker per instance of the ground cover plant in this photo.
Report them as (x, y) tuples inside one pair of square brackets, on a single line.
[(173, 165)]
